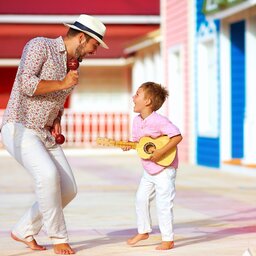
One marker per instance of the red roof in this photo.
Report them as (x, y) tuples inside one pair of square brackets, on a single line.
[(13, 37), (99, 7), (16, 31)]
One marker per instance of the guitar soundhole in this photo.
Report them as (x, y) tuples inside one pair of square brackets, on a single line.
[(149, 147)]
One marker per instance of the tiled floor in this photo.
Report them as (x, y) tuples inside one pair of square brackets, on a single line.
[(215, 210)]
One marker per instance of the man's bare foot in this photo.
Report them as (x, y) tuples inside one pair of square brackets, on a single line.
[(165, 245), (63, 249), (135, 239), (32, 245)]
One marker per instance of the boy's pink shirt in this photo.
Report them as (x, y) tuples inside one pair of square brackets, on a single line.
[(154, 126)]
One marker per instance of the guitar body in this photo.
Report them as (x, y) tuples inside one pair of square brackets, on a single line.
[(147, 145)]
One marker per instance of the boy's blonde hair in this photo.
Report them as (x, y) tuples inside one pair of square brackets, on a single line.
[(157, 93)]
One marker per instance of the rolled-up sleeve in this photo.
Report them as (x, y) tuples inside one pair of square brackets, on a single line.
[(32, 59), (168, 128)]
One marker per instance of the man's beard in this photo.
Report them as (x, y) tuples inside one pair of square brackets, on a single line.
[(78, 53)]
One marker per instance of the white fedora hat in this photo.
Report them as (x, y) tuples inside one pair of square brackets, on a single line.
[(91, 26)]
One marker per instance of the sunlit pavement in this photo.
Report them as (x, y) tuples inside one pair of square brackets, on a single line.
[(215, 210)]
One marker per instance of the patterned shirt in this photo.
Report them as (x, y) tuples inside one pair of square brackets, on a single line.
[(154, 126), (42, 59)]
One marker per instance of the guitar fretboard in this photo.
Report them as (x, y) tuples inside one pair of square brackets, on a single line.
[(126, 144), (113, 143)]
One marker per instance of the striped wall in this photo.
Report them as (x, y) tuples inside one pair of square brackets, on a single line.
[(175, 29), (207, 90)]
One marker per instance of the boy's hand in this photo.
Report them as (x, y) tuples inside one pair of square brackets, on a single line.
[(156, 155), (126, 148)]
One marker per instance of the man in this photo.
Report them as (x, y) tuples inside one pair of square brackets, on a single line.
[(32, 120)]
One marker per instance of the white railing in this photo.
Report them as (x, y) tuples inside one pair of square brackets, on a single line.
[(81, 129)]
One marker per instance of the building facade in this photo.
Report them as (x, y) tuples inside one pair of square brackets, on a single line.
[(99, 106), (208, 50), (226, 111)]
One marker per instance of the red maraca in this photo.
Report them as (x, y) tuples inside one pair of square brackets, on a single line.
[(59, 139), (73, 64)]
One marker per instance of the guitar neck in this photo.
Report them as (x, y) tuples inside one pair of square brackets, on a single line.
[(125, 144)]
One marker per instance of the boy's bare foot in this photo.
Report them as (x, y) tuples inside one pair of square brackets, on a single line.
[(32, 245), (165, 245), (135, 239), (63, 249)]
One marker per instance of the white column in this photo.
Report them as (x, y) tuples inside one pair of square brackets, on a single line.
[(138, 76), (225, 74), (176, 102), (158, 67), (149, 68), (250, 102)]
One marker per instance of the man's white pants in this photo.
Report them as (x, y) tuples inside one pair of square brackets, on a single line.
[(162, 187), (53, 179)]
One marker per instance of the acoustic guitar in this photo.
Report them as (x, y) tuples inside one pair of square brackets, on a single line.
[(145, 147)]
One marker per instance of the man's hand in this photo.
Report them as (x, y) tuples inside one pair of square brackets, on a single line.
[(56, 127), (70, 79)]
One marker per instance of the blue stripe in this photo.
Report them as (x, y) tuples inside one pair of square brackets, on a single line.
[(237, 37), (83, 27)]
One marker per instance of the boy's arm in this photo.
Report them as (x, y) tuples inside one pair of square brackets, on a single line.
[(173, 142)]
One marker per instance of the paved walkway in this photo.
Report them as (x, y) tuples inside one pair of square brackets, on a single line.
[(215, 211)]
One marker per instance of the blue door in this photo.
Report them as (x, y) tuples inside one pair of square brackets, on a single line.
[(237, 37)]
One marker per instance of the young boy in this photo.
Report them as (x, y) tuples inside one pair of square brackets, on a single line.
[(157, 181)]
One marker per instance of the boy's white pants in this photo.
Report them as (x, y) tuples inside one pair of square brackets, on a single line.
[(162, 187), (53, 180)]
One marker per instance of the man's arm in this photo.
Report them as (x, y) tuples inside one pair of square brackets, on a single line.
[(47, 86)]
